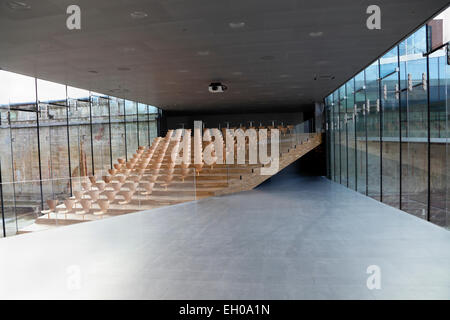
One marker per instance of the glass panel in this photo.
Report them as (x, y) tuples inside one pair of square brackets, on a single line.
[(143, 124), (20, 165), (118, 143), (153, 118), (388, 127), (80, 132), (351, 142), (6, 158), (361, 134), (414, 125), (343, 134), (330, 137), (132, 128), (391, 129), (53, 137), (64, 132), (100, 134), (439, 156), (373, 132), (337, 138)]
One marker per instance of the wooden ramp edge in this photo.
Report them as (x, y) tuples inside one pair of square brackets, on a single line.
[(251, 181)]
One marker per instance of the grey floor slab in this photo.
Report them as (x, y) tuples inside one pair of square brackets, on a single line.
[(292, 238)]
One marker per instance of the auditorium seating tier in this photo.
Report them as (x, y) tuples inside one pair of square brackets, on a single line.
[(151, 179)]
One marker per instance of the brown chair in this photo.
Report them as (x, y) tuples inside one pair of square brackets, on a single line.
[(51, 206), (121, 178), (198, 168), (94, 194), (167, 181), (134, 178), (69, 204), (86, 185), (112, 171), (116, 186), (104, 205), (100, 185), (130, 186), (78, 195), (86, 205), (110, 195), (148, 186), (127, 195)]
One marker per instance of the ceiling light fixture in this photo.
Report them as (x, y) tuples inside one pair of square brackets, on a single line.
[(93, 71), (138, 15), (128, 49), (236, 25), (18, 5), (324, 77), (267, 58), (316, 34), (203, 53)]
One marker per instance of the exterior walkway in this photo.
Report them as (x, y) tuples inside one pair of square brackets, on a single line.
[(292, 238)]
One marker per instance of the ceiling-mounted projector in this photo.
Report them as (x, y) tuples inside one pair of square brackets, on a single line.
[(217, 87)]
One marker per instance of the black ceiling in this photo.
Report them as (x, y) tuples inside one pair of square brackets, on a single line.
[(168, 58)]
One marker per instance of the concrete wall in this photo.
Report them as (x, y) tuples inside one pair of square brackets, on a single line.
[(216, 120)]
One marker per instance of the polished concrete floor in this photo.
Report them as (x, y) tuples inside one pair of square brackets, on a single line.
[(292, 238)]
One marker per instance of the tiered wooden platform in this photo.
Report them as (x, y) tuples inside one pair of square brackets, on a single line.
[(151, 179)]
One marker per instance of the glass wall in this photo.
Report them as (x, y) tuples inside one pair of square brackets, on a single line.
[(359, 117), (52, 135), (118, 125), (372, 115), (390, 126), (413, 69), (343, 134), (399, 125), (351, 134), (337, 138), (132, 136), (53, 138)]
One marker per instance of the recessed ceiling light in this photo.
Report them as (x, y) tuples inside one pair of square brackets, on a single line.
[(93, 71), (128, 49), (203, 53), (324, 77), (267, 58), (237, 25), (18, 5), (138, 15), (316, 34), (118, 90)]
